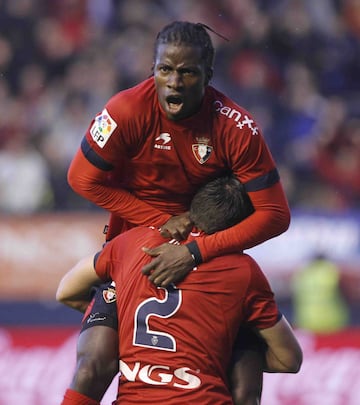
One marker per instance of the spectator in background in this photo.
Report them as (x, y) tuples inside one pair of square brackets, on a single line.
[(337, 162), (58, 146), (24, 176), (318, 302)]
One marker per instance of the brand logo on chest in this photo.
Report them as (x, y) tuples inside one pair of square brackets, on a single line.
[(162, 140)]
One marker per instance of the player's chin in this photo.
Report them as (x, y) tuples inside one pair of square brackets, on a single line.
[(175, 112)]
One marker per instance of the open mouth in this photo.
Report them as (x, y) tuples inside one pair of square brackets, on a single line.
[(174, 104)]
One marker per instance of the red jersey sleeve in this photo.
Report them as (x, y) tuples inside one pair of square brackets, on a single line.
[(109, 142), (260, 308), (92, 183), (102, 262), (271, 218)]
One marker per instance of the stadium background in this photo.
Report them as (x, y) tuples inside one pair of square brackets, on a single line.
[(293, 63)]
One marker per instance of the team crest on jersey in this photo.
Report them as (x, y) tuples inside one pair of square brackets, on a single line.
[(109, 295), (102, 128), (202, 150)]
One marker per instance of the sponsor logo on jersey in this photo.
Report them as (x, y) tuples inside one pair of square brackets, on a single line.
[(202, 150), (162, 140), (156, 374), (236, 116), (102, 128), (109, 295)]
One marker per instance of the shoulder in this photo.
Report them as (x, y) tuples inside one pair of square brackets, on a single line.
[(236, 267), (138, 237), (229, 114), (258, 278), (133, 100)]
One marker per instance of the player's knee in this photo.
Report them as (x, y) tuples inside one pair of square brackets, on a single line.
[(92, 377), (94, 367), (97, 354), (86, 372)]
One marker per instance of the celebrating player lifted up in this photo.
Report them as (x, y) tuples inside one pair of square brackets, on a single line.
[(146, 154)]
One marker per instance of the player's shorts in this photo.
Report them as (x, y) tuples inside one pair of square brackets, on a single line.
[(102, 308)]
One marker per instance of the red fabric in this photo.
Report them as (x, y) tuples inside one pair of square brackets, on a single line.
[(159, 165), (270, 219), (92, 183), (202, 316), (72, 397)]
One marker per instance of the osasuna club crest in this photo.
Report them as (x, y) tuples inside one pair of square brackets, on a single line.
[(202, 152), (109, 295)]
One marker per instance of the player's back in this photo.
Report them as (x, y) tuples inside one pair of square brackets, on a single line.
[(175, 343)]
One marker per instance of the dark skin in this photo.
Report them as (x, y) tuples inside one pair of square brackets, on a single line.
[(181, 77)]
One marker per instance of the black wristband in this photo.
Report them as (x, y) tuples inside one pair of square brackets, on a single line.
[(195, 252)]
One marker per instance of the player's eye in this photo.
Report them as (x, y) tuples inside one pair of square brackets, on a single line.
[(164, 69)]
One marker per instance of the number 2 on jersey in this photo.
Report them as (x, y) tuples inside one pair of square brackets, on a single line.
[(165, 308)]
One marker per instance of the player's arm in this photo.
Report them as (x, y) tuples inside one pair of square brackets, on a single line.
[(88, 177), (74, 287), (283, 353), (270, 219)]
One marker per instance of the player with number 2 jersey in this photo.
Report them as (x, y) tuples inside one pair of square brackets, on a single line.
[(175, 343)]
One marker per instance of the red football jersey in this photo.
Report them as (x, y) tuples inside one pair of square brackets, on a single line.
[(175, 343), (154, 165)]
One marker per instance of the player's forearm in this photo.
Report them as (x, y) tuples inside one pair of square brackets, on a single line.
[(78, 305), (77, 299), (270, 219), (92, 184), (74, 287)]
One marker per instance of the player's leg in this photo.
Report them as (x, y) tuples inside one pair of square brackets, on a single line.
[(246, 375), (97, 360), (246, 378)]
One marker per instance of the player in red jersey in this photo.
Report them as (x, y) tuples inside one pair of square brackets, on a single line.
[(149, 150), (175, 343)]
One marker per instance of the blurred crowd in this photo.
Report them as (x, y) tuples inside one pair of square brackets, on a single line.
[(294, 64)]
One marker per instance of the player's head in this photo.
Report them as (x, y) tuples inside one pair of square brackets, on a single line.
[(183, 66), (220, 204), (184, 33)]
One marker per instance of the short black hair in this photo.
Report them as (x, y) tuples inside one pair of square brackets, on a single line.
[(194, 34), (220, 204)]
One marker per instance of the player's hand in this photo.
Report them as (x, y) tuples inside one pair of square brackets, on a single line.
[(171, 264), (177, 227)]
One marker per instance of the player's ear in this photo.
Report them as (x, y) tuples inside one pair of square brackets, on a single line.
[(209, 75)]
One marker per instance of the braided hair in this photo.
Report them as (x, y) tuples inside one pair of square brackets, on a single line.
[(194, 34)]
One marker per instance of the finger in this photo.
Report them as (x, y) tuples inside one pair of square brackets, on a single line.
[(158, 275), (177, 236), (158, 280), (167, 281), (165, 233), (184, 234), (150, 252), (148, 268)]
